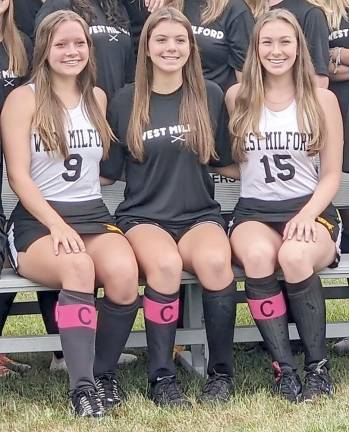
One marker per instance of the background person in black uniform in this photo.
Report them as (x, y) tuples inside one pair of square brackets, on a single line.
[(25, 13), (222, 30), (138, 11), (108, 25), (170, 125), (15, 56), (338, 19), (314, 25), (337, 13)]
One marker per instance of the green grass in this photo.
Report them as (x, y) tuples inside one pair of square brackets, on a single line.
[(38, 402)]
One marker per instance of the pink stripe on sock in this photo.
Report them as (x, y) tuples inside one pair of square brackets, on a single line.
[(76, 315), (268, 308), (160, 313)]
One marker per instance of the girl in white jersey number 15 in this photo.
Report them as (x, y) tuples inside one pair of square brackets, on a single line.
[(61, 233), (284, 216)]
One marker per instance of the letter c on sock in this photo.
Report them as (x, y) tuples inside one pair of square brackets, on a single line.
[(76, 315), (160, 313), (268, 308), (82, 311), (169, 317), (267, 304)]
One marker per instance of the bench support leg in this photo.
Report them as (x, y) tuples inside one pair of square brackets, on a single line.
[(194, 360)]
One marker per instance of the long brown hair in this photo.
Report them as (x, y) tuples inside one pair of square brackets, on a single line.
[(111, 9), (250, 98), (212, 10), (13, 44), (50, 119), (193, 108)]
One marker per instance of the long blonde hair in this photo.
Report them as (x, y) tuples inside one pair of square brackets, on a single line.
[(250, 98), (258, 7), (193, 109), (334, 10), (212, 10), (50, 115), (13, 44)]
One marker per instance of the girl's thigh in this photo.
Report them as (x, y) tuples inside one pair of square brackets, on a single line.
[(40, 264), (255, 245), (157, 256)]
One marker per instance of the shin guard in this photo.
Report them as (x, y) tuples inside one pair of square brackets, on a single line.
[(219, 313), (307, 303), (268, 308), (76, 319), (160, 314)]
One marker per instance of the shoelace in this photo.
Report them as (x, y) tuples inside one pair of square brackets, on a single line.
[(213, 384), (287, 383), (108, 387), (170, 388), (316, 380), (89, 401), (318, 377)]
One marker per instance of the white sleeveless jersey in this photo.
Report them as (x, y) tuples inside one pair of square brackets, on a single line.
[(278, 166), (77, 177)]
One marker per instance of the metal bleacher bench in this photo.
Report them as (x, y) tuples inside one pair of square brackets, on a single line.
[(193, 334)]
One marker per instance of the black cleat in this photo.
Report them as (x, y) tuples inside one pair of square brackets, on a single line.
[(109, 391), (218, 388), (317, 381), (287, 383), (165, 391), (86, 402)]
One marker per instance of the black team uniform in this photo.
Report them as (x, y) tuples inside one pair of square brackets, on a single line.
[(314, 25), (223, 43), (172, 189), (340, 38), (138, 14), (25, 12), (8, 82), (113, 46)]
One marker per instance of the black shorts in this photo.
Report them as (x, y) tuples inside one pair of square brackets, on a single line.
[(277, 213), (86, 217), (176, 230)]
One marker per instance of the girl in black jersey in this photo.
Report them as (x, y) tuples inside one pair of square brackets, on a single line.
[(61, 234), (170, 125), (314, 25), (25, 12), (338, 18), (279, 122), (138, 11), (222, 30), (108, 26), (337, 12), (15, 56)]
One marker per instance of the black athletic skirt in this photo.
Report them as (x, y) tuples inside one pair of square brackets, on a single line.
[(277, 213), (86, 217)]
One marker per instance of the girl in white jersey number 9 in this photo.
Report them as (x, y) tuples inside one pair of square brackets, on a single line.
[(61, 233)]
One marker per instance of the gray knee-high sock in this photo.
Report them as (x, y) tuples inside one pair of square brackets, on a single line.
[(307, 303), (267, 306), (114, 325), (219, 313), (76, 319), (160, 316)]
